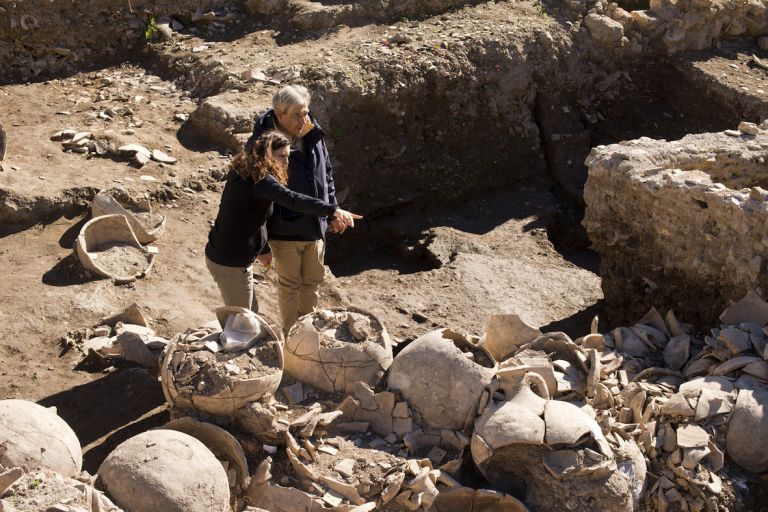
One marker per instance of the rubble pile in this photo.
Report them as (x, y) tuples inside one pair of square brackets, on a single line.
[(88, 144), (652, 416), (219, 371), (652, 203), (105, 32), (670, 25), (45, 489), (123, 336)]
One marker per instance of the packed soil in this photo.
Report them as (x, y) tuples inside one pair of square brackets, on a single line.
[(148, 220), (444, 265), (120, 259), (503, 262)]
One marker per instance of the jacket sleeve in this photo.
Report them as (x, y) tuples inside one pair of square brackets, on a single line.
[(270, 189), (329, 177)]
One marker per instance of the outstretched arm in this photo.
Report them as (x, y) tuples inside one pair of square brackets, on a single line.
[(269, 188)]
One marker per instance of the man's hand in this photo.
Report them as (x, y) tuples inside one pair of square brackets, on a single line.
[(337, 227), (345, 219), (264, 259)]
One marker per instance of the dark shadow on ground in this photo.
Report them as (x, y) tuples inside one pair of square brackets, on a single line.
[(578, 324), (193, 140), (67, 272), (391, 241), (93, 458), (109, 408), (68, 238)]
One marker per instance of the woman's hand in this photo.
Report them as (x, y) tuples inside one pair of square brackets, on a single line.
[(264, 259), (345, 218)]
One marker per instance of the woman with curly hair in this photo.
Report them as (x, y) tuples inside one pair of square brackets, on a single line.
[(256, 180)]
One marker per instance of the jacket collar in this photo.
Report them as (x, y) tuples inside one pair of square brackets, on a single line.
[(269, 122)]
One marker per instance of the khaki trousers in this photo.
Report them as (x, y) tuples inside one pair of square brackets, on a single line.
[(235, 284), (300, 272)]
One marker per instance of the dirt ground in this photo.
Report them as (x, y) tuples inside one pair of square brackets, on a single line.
[(495, 252), (444, 266)]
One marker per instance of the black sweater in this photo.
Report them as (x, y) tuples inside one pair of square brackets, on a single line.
[(239, 233)]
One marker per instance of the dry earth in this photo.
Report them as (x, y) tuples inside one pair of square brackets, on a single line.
[(495, 253), (427, 263)]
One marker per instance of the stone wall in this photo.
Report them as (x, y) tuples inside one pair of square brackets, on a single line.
[(682, 224), (673, 25), (43, 39), (315, 15)]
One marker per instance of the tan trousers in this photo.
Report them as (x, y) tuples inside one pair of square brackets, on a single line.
[(300, 272), (235, 284)]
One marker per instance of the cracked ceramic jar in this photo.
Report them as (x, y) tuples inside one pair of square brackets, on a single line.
[(551, 454), (32, 435), (442, 375), (334, 349)]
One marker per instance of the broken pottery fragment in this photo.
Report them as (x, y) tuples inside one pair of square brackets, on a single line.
[(629, 343), (146, 225), (695, 386), (43, 489), (712, 402), (748, 430), (466, 499), (749, 309), (333, 349), (736, 340), (692, 436), (134, 149), (448, 395), (505, 334), (107, 247), (653, 319), (133, 314), (733, 364), (270, 496), (676, 352), (159, 156), (137, 474), (32, 435), (8, 478), (3, 142), (758, 369), (678, 405), (551, 453), (221, 382), (699, 365)]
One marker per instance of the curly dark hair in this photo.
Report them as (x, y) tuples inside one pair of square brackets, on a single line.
[(256, 162)]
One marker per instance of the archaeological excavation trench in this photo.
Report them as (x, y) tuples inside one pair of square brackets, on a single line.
[(522, 167)]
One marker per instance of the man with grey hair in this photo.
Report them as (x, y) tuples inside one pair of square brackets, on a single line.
[(297, 240)]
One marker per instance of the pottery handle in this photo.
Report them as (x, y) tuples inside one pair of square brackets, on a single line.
[(541, 385)]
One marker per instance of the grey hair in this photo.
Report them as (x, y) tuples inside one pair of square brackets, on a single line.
[(289, 96)]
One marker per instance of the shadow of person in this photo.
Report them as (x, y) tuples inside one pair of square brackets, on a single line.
[(105, 412)]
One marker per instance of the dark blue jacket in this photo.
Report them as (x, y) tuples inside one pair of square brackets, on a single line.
[(309, 173), (239, 233)]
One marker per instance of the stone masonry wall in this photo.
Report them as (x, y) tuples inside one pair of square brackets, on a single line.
[(682, 224), (44, 38)]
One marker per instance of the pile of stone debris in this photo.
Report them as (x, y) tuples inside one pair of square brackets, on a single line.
[(640, 418), (89, 144)]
